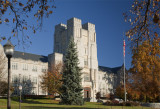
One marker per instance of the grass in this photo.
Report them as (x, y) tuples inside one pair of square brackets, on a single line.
[(52, 104)]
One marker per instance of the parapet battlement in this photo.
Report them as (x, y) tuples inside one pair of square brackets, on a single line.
[(75, 22)]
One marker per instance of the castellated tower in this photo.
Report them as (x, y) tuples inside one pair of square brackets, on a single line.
[(85, 39)]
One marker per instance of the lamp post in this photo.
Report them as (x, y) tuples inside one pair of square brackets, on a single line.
[(9, 50), (20, 89)]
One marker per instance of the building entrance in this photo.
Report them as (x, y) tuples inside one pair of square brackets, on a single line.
[(87, 93)]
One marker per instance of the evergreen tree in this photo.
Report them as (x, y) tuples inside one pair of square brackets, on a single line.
[(71, 78)]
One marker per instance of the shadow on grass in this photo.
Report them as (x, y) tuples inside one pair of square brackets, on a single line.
[(44, 107), (37, 102)]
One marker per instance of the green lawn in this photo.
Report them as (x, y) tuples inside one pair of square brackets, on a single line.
[(51, 104)]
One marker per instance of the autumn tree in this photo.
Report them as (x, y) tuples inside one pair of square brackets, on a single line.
[(71, 78), (51, 79), (145, 70), (120, 91), (144, 20), (131, 93), (24, 15)]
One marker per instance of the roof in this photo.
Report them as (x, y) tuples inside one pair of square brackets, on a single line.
[(110, 70), (29, 56)]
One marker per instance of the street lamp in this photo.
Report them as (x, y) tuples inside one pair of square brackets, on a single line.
[(9, 50), (20, 89)]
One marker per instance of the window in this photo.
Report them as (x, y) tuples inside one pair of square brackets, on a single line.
[(35, 80), (44, 69), (85, 62), (15, 79), (25, 66), (94, 37), (25, 78), (34, 68), (14, 66), (86, 77), (34, 91), (86, 51)]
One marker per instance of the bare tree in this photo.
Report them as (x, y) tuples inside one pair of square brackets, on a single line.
[(3, 83), (144, 20), (24, 15), (2, 66)]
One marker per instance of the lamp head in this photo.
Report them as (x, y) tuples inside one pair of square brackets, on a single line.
[(20, 87), (8, 49)]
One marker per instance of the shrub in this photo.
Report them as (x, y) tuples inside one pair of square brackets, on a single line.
[(131, 103), (16, 98), (112, 103), (116, 103), (98, 95), (35, 96), (3, 87)]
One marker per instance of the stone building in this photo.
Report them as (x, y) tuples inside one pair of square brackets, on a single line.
[(94, 78), (109, 79), (26, 67)]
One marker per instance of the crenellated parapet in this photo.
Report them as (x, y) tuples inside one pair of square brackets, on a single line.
[(77, 23), (60, 27), (89, 26), (74, 22)]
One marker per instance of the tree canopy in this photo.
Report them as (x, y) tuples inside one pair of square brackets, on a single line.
[(19, 15), (51, 79), (144, 20), (145, 70), (143, 34)]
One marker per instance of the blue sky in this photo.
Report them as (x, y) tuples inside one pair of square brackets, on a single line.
[(107, 17)]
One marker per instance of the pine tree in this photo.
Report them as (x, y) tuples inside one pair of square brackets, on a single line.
[(71, 78)]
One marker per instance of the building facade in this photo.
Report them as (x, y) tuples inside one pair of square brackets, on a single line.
[(27, 68), (94, 78)]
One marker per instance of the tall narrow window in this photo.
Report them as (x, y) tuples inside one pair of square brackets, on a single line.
[(34, 80), (86, 77), (14, 79), (14, 66), (34, 68), (86, 51), (87, 94), (25, 66), (85, 62), (44, 69), (25, 78), (94, 37)]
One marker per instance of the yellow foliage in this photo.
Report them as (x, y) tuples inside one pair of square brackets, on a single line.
[(145, 69)]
